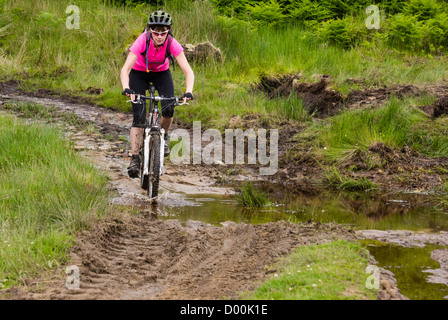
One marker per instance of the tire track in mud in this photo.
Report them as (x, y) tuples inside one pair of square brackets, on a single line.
[(144, 258)]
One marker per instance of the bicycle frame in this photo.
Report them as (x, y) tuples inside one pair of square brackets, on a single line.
[(152, 128), (149, 178)]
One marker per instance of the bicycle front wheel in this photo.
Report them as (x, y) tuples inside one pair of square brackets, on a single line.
[(144, 178), (154, 167)]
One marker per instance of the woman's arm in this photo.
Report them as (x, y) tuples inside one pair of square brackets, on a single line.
[(188, 72), (124, 74)]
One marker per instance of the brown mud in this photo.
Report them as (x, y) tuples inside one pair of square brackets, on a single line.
[(138, 257), (143, 258)]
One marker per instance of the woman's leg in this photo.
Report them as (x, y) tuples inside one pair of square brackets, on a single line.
[(137, 83), (165, 87)]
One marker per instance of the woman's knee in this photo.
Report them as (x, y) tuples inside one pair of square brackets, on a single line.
[(139, 116), (168, 112)]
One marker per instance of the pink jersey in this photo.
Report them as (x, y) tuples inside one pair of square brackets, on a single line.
[(154, 55)]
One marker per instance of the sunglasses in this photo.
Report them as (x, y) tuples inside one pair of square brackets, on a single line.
[(159, 33)]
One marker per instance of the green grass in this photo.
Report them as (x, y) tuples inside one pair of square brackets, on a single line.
[(331, 271), (250, 196), (333, 179), (395, 124), (40, 51), (358, 130), (47, 193), (431, 137), (30, 110)]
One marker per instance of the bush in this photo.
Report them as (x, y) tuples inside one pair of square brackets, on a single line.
[(232, 8), (343, 32), (435, 33), (270, 13), (307, 10), (405, 32), (418, 25), (422, 9)]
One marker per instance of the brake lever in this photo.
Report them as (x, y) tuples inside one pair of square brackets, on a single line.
[(138, 100)]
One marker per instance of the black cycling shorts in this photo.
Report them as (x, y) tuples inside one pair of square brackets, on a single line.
[(139, 82)]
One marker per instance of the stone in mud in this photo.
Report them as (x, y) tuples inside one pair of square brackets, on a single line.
[(405, 238), (439, 275)]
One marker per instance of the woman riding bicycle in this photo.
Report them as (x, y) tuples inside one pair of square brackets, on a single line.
[(147, 62)]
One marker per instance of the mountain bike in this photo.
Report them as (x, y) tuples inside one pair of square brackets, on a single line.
[(153, 144)]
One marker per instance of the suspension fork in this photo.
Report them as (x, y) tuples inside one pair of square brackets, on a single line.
[(161, 132), (162, 149)]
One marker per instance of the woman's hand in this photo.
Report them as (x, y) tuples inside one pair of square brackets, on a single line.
[(187, 96), (129, 92)]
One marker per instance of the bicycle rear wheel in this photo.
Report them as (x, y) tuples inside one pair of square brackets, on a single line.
[(154, 167)]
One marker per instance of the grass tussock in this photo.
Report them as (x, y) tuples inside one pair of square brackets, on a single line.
[(331, 271), (333, 179), (250, 196)]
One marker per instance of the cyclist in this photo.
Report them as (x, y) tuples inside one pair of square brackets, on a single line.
[(147, 62)]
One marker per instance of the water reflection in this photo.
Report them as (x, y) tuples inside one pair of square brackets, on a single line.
[(409, 265), (216, 209), (364, 211)]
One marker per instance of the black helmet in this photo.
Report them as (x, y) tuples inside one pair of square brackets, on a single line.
[(160, 18)]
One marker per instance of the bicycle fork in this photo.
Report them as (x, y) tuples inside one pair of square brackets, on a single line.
[(162, 149)]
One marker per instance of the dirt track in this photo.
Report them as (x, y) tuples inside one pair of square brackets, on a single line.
[(145, 258), (142, 257), (138, 257)]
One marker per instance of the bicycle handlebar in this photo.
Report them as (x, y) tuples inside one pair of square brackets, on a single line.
[(139, 97)]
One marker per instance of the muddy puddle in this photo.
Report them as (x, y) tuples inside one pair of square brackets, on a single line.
[(400, 212)]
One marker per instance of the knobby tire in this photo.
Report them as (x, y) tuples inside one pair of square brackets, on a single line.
[(154, 166), (144, 179)]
